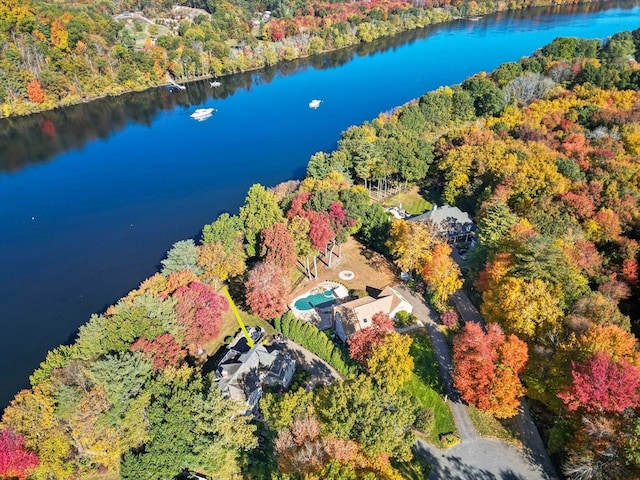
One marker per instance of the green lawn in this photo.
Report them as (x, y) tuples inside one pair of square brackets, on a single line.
[(425, 386), (488, 426), (411, 201), (230, 327)]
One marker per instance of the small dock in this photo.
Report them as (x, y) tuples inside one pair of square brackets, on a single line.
[(176, 85)]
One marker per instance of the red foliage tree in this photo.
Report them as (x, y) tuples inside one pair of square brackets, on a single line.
[(199, 309), (340, 221), (320, 231), (362, 343), (15, 460), (163, 351), (580, 204), (278, 246), (267, 289), (297, 205), (450, 318), (486, 368), (601, 384)]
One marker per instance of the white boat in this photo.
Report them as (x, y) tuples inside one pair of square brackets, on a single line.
[(201, 114), (314, 103), (215, 84)]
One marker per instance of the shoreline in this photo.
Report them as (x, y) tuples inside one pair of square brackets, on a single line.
[(184, 81)]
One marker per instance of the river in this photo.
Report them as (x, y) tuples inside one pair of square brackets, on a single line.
[(94, 195)]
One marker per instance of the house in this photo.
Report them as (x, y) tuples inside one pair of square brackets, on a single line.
[(452, 223), (351, 317), (244, 370)]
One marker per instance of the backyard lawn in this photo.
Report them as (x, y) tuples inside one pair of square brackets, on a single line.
[(426, 386), (411, 201)]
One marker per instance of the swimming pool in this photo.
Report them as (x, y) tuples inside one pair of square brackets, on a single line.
[(312, 300)]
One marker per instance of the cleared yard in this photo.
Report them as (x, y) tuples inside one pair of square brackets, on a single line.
[(426, 386), (411, 201)]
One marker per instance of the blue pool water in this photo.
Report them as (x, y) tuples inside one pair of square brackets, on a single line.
[(313, 300)]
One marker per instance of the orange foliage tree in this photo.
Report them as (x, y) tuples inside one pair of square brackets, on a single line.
[(487, 368), (34, 90)]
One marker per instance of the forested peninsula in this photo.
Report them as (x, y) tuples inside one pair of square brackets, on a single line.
[(60, 53), (544, 153)]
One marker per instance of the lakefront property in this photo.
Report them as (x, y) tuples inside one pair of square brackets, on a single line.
[(282, 341)]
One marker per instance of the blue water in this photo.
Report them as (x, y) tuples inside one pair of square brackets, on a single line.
[(91, 216), (313, 300)]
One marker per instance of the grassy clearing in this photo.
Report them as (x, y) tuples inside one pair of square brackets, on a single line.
[(425, 386), (426, 364), (488, 426), (230, 327), (411, 201)]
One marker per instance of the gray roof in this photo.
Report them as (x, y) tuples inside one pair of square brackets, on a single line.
[(449, 220)]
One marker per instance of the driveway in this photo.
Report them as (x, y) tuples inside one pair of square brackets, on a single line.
[(321, 371), (480, 459), (475, 457)]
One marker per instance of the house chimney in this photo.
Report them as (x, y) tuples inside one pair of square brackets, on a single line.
[(435, 207)]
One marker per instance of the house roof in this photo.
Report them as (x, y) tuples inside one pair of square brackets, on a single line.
[(240, 373), (449, 220), (358, 314)]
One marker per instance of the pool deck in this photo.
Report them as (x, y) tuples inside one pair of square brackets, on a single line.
[(320, 315)]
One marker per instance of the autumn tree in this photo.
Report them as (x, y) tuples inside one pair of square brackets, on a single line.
[(163, 350), (199, 309), (277, 246), (526, 308), (218, 264), (260, 210), (267, 290), (15, 460), (441, 274), (364, 342), (487, 368), (34, 90), (410, 243), (601, 384), (390, 363)]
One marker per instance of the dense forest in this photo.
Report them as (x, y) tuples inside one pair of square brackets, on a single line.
[(60, 53), (543, 152)]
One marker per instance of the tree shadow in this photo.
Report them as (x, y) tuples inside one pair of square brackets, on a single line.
[(453, 468)]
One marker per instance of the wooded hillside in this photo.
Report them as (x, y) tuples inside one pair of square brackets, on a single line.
[(60, 53)]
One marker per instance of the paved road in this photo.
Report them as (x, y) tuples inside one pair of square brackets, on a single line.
[(474, 457), (426, 316), (529, 434)]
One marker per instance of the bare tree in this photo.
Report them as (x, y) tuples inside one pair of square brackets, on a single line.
[(526, 88)]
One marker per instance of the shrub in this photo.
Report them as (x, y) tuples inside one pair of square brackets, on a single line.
[(404, 319), (357, 293), (450, 319), (449, 439), (425, 419)]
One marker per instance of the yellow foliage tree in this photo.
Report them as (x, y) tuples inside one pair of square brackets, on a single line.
[(441, 274), (410, 243), (526, 308), (390, 363)]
